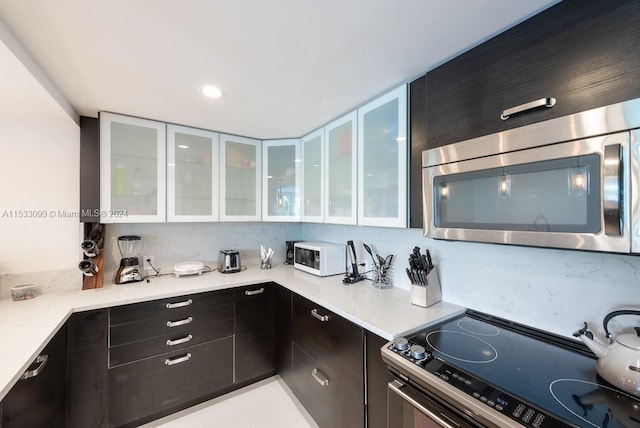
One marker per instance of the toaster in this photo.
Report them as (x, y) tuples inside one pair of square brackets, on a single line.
[(229, 261)]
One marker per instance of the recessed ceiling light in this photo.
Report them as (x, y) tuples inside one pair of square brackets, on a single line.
[(211, 91)]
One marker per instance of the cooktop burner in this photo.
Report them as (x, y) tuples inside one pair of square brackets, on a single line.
[(522, 371), (462, 346), (596, 404)]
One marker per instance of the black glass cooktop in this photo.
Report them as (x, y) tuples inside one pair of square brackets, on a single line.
[(543, 371)]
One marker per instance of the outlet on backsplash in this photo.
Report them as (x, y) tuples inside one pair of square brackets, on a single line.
[(148, 263)]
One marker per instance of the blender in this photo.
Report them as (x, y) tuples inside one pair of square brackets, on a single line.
[(129, 271)]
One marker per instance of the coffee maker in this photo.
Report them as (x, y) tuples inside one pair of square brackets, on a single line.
[(289, 254), (129, 271)]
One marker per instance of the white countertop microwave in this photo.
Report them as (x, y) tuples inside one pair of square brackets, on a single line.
[(320, 258)]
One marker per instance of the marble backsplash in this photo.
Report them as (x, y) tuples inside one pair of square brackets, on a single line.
[(47, 281), (555, 290), (172, 243)]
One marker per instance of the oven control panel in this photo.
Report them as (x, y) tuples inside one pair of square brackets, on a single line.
[(506, 404)]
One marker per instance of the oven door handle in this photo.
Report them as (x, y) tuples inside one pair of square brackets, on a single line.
[(612, 185), (395, 385)]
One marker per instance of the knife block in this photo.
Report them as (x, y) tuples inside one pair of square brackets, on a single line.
[(427, 295)]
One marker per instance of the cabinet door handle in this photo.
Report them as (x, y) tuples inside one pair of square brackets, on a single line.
[(254, 292), (180, 322), (179, 304), (316, 315), (175, 342), (542, 102), (42, 361), (177, 360), (319, 377)]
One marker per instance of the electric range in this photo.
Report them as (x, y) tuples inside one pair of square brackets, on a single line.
[(493, 372)]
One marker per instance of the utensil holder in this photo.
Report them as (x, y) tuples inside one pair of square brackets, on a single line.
[(380, 278), (427, 295)]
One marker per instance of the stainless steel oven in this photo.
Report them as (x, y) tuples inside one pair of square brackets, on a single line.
[(477, 370), (565, 183), (408, 407)]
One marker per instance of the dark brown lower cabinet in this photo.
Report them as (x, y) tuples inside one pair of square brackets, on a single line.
[(87, 353), (153, 387), (255, 333), (377, 379), (327, 373), (40, 400)]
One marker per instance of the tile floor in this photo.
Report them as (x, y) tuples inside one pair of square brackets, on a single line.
[(265, 404)]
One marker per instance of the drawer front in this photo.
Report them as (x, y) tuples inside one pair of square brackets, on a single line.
[(140, 389), (199, 331), (171, 308), (339, 402), (332, 339), (178, 324)]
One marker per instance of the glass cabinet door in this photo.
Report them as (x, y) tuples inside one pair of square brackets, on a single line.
[(312, 147), (132, 169), (341, 167), (281, 182), (382, 161), (240, 178), (192, 174)]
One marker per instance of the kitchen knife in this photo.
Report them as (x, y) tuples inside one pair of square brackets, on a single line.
[(429, 261)]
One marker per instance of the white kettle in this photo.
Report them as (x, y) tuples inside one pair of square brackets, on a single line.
[(619, 361)]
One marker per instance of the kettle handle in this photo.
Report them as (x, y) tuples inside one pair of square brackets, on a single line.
[(608, 318)]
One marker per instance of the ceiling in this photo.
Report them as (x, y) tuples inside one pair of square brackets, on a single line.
[(286, 67)]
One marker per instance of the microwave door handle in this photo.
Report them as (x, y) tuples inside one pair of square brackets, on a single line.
[(612, 184)]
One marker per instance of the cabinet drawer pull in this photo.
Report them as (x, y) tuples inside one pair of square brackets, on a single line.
[(542, 102), (179, 304), (42, 361), (179, 341), (319, 377), (177, 360), (323, 318), (254, 292), (180, 322)]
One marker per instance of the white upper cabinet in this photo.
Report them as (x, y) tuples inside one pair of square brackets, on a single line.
[(313, 177), (240, 178), (192, 174), (281, 180), (382, 161), (132, 169), (341, 170)]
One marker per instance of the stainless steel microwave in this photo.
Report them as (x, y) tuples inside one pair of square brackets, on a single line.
[(571, 182)]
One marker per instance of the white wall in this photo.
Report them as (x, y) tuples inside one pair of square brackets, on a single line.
[(39, 175), (555, 290), (39, 172)]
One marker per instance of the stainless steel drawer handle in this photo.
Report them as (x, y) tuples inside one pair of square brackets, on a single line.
[(395, 388), (254, 292), (319, 377), (42, 361), (180, 322), (323, 318), (177, 360), (542, 102), (179, 341), (179, 304)]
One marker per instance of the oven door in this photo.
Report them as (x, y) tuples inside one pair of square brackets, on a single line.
[(565, 195), (407, 407)]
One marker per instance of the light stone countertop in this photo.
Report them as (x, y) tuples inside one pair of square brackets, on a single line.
[(27, 326)]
